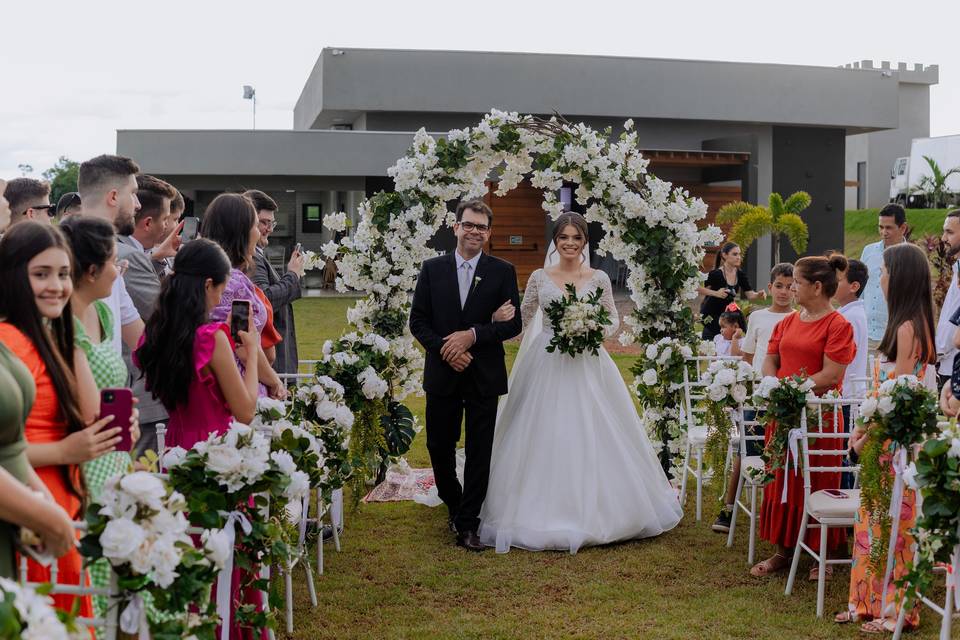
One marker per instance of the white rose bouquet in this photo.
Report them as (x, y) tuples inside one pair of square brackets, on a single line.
[(727, 384), (577, 323), (28, 615)]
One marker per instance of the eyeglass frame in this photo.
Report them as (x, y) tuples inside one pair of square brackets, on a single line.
[(472, 226), (271, 225)]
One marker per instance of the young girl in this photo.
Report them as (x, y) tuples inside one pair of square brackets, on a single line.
[(732, 327)]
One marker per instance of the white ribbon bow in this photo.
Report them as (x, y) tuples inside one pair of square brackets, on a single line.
[(793, 438), (225, 576), (133, 618), (899, 464)]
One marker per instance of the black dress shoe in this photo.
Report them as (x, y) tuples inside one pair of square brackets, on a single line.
[(451, 525), (469, 541)]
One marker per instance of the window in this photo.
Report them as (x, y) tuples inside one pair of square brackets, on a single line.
[(312, 218)]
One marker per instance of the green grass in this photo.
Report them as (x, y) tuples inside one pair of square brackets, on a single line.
[(860, 227), (400, 576)]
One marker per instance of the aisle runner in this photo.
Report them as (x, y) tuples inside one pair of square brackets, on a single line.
[(405, 483)]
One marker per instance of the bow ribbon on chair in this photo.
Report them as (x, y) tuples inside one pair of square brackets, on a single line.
[(133, 619), (792, 439), (225, 577)]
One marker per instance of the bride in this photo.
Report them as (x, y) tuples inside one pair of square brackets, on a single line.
[(571, 463)]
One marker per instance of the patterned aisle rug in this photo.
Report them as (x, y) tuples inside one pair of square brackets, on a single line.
[(404, 484)]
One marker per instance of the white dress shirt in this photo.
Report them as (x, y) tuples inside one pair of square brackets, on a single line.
[(945, 329)]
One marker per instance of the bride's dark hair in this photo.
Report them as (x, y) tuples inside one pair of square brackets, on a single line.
[(571, 219)]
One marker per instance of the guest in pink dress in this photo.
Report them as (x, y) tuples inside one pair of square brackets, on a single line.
[(189, 363)]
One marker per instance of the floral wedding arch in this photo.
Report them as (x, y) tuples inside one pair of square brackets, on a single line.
[(649, 225)]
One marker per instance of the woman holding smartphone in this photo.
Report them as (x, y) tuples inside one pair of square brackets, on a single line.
[(231, 222)]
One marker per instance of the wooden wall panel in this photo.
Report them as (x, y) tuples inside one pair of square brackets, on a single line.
[(518, 213)]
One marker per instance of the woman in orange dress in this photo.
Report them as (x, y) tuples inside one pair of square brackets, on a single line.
[(37, 327), (908, 347), (816, 342)]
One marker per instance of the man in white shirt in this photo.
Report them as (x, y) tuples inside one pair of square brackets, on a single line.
[(946, 351), (760, 325), (108, 190), (892, 223)]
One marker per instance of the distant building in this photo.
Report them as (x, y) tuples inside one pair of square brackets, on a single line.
[(723, 130)]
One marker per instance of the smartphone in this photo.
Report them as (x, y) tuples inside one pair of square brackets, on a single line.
[(119, 404), (239, 318), (190, 228), (297, 248), (835, 493)]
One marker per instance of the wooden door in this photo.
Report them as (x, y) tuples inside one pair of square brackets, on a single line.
[(715, 197), (519, 229)]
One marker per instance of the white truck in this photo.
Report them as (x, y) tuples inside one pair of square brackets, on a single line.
[(909, 171)]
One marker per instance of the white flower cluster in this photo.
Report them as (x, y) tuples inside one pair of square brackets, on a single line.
[(579, 319), (237, 458), (658, 354), (36, 615), (146, 525), (728, 381), (883, 404), (312, 260), (325, 397), (950, 433)]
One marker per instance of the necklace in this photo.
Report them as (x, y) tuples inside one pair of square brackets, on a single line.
[(806, 316)]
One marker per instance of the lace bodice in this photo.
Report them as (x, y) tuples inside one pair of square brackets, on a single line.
[(542, 290)]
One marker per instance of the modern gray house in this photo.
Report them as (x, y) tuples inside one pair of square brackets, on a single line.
[(723, 130)]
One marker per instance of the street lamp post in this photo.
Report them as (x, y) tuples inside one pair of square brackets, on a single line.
[(249, 93)]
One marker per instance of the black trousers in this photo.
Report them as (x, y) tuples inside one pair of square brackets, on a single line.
[(444, 416)]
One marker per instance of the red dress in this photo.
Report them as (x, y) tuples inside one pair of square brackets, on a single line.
[(801, 347)]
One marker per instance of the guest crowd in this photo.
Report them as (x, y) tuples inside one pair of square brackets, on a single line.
[(103, 297)]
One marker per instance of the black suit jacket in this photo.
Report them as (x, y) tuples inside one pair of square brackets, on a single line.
[(436, 313), (281, 291)]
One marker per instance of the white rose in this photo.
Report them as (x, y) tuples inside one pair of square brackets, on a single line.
[(739, 393), (885, 405), (165, 557), (174, 457), (145, 487), (651, 352), (216, 544), (887, 386), (726, 377), (716, 392), (649, 377), (326, 410), (344, 417), (299, 486), (120, 539), (284, 462), (223, 460), (868, 408)]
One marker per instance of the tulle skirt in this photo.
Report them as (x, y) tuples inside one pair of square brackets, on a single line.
[(571, 464)]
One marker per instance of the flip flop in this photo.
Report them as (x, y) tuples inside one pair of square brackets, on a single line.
[(878, 626), (765, 567)]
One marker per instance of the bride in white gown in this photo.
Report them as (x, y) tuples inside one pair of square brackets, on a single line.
[(571, 463)]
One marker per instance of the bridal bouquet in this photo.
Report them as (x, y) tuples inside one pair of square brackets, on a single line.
[(577, 322), (727, 383), (28, 615)]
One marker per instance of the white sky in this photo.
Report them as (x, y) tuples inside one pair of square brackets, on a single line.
[(73, 72)]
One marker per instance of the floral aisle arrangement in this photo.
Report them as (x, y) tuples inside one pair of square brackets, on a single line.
[(139, 525), (936, 475), (903, 413), (577, 322), (649, 225), (782, 401), (727, 384), (28, 614), (239, 485)]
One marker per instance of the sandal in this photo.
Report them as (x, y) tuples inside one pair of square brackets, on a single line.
[(879, 625), (844, 617), (770, 566), (814, 574)]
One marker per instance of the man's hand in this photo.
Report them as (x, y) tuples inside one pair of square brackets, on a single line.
[(462, 362), (168, 248), (456, 344), (296, 264)]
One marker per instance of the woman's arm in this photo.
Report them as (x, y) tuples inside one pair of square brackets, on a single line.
[(712, 293), (21, 506), (239, 392), (829, 376), (753, 295), (80, 446), (88, 395)]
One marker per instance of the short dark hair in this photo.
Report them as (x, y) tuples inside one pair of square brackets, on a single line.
[(177, 205), (477, 205), (103, 171), (955, 213), (69, 203), (23, 193), (857, 272), (91, 241), (784, 269), (228, 221), (150, 192), (260, 200), (896, 212)]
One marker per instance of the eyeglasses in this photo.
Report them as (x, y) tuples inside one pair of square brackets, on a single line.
[(51, 209), (470, 226), (269, 224)]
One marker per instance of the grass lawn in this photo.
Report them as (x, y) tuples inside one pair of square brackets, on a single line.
[(400, 576), (860, 227)]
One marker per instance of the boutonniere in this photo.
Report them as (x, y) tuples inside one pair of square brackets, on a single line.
[(476, 281)]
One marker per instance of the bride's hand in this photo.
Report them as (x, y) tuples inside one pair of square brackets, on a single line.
[(505, 313)]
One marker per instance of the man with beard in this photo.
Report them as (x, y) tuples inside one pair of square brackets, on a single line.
[(951, 303), (108, 190)]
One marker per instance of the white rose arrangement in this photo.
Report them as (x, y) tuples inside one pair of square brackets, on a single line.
[(727, 385), (28, 615)]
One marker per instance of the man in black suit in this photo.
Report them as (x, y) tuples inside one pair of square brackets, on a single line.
[(453, 318)]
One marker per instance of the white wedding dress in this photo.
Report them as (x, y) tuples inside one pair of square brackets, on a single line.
[(571, 464)]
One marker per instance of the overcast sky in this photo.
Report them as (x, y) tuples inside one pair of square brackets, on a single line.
[(75, 72)]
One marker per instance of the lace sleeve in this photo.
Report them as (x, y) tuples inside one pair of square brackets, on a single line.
[(607, 301), (531, 299)]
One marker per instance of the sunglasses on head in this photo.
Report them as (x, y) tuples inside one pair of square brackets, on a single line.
[(51, 209)]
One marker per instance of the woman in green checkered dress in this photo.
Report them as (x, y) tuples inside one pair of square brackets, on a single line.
[(94, 271)]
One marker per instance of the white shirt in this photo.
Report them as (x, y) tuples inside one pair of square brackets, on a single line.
[(722, 345), (760, 327), (945, 329), (465, 276), (856, 314), (123, 312)]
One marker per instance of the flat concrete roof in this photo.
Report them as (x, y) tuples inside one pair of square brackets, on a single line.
[(346, 82)]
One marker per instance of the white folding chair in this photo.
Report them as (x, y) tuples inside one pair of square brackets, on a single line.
[(696, 437), (826, 508), (745, 432)]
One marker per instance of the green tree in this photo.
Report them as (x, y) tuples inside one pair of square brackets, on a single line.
[(781, 218), (62, 177), (935, 185)]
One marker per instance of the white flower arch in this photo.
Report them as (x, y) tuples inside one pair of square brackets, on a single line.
[(649, 225)]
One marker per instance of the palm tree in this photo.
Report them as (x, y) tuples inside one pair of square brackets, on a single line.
[(935, 185), (779, 218)]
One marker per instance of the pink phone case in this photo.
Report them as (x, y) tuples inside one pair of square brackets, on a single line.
[(119, 404)]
